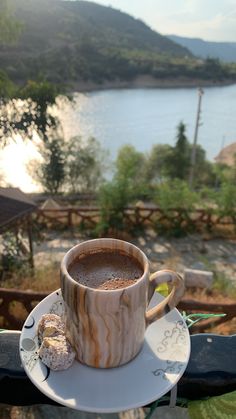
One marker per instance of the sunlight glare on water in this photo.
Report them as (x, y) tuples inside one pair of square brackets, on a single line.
[(141, 117), (14, 161)]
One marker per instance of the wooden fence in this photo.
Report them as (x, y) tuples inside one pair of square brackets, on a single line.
[(136, 216), (13, 318)]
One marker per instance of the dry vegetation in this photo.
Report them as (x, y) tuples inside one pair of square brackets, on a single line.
[(215, 296), (46, 279)]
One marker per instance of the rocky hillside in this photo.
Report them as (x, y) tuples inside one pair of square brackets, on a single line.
[(74, 41)]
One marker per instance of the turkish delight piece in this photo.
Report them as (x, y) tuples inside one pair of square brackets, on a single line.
[(57, 353)]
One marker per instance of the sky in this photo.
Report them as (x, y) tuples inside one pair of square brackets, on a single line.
[(211, 20)]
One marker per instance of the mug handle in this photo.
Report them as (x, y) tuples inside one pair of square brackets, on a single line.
[(171, 301)]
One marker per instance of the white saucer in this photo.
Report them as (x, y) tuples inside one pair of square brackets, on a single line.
[(155, 370)]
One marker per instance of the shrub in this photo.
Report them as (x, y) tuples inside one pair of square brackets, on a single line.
[(130, 172), (176, 200), (12, 257), (113, 197), (50, 172), (225, 199), (175, 194), (85, 166)]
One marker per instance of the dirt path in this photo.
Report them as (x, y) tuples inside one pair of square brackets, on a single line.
[(196, 252)]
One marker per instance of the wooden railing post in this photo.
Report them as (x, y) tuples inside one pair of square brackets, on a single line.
[(70, 220), (30, 239)]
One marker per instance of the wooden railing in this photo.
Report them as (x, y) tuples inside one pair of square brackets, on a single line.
[(15, 305), (69, 216), (133, 216), (28, 300)]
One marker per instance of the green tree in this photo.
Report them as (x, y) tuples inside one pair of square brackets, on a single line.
[(9, 27), (157, 163), (128, 184), (179, 161), (174, 162), (204, 173), (26, 110), (86, 163), (176, 201), (213, 68), (42, 94), (232, 171), (50, 173), (7, 87), (113, 197), (11, 257), (130, 168), (175, 194), (226, 198)]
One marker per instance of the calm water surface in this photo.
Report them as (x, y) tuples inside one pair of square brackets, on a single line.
[(143, 117)]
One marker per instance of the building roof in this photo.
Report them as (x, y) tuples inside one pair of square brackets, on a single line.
[(227, 155), (14, 204), (50, 204)]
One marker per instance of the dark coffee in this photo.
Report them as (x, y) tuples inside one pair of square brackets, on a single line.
[(106, 270)]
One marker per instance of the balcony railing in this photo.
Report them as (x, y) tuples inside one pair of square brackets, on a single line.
[(28, 300), (211, 371)]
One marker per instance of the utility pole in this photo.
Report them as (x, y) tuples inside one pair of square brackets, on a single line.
[(217, 181), (193, 154)]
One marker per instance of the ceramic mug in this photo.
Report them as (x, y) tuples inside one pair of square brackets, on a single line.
[(107, 327)]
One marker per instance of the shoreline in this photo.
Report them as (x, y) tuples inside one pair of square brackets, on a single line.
[(146, 82)]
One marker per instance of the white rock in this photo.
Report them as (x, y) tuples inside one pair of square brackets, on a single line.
[(158, 248), (197, 278)]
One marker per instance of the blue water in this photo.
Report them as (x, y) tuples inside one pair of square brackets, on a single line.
[(141, 117), (144, 117)]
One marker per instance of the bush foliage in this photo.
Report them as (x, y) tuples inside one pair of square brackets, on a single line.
[(78, 165)]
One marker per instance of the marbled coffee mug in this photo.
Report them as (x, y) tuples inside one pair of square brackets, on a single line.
[(107, 327)]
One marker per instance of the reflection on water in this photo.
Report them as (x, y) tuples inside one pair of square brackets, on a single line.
[(14, 159), (141, 117)]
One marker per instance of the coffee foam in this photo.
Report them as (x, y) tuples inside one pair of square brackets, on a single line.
[(106, 269)]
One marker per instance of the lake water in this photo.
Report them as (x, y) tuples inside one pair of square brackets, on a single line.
[(141, 117)]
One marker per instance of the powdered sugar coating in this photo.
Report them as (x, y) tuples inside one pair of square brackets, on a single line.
[(50, 325), (57, 353)]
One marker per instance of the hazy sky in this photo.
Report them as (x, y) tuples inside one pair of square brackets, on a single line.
[(213, 20)]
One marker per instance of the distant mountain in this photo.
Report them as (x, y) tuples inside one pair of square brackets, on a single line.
[(82, 42), (66, 40), (225, 51), (56, 23)]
